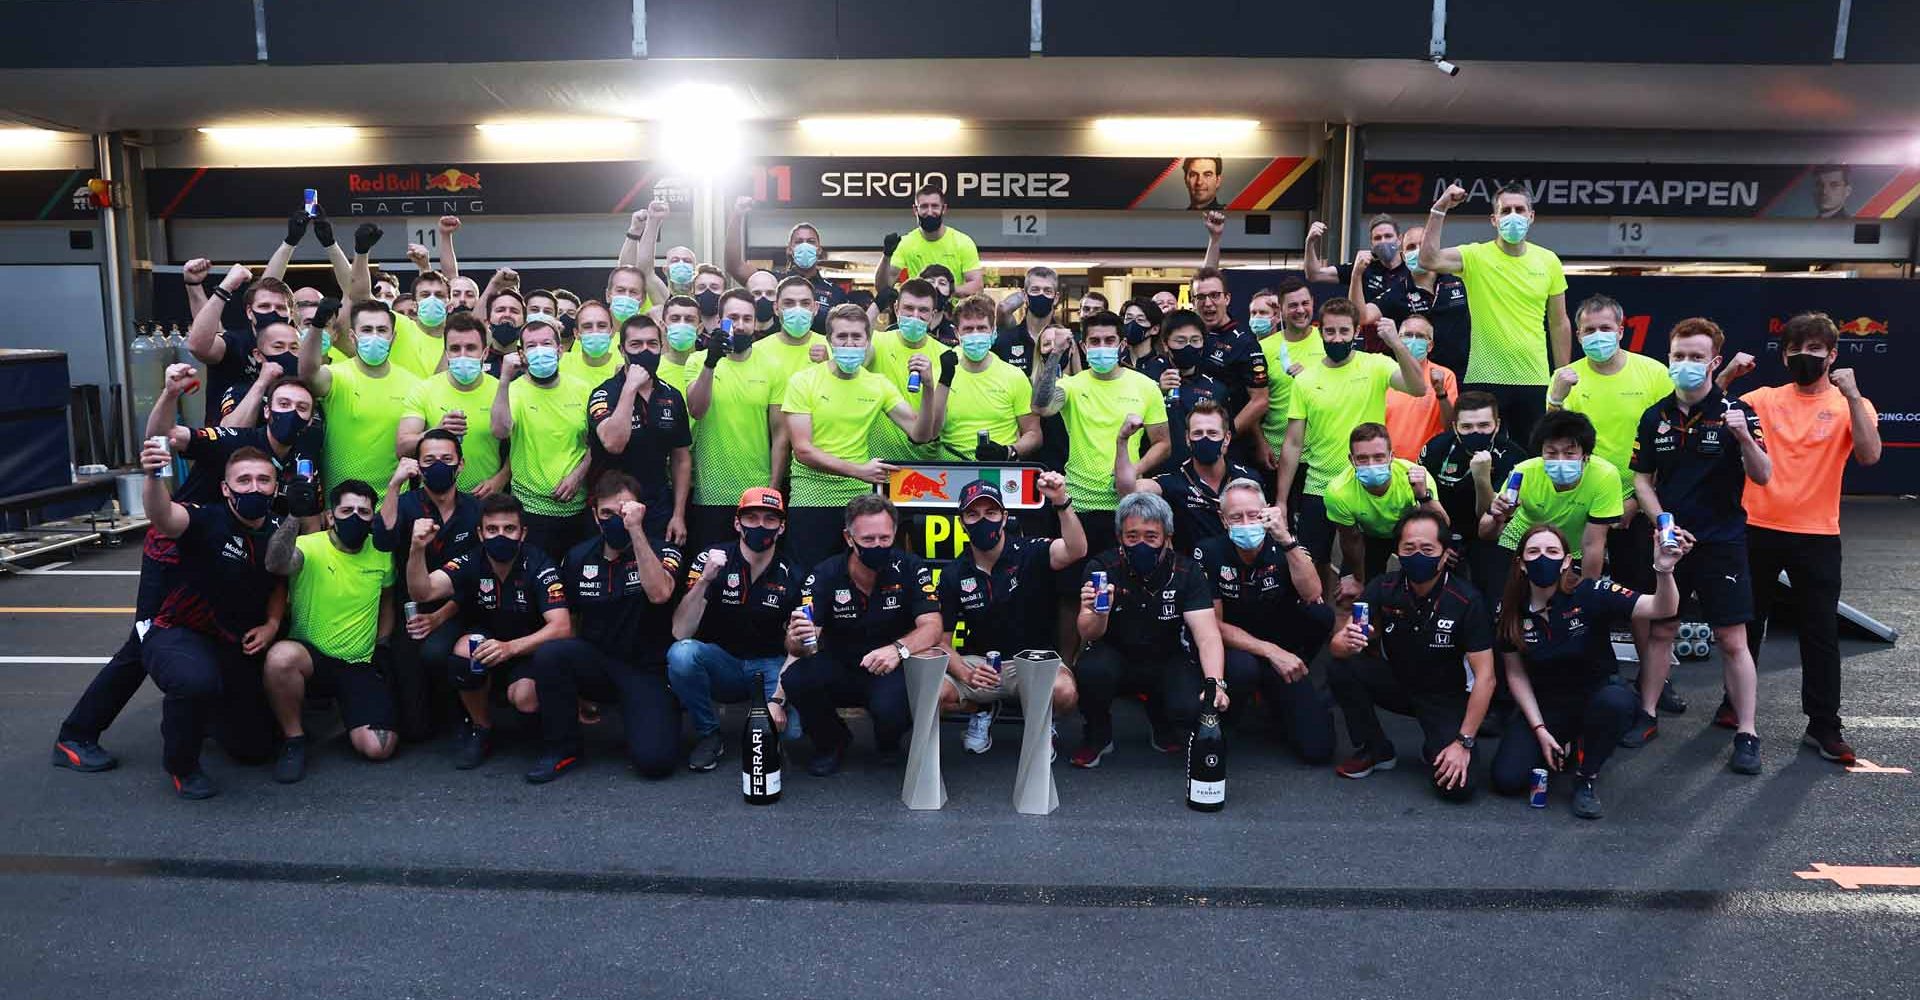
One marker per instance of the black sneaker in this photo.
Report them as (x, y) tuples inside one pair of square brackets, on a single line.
[(1641, 732), (292, 765), (1746, 754), (82, 755), (1830, 744), (825, 763), (1586, 804), (1670, 700), (476, 745), (706, 754), (195, 786), (551, 766)]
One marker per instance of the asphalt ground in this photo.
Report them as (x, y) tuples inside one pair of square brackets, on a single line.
[(408, 878)]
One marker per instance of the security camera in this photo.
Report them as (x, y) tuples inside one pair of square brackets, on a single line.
[(1445, 67)]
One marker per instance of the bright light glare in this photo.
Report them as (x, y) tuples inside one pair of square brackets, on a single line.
[(702, 146), (16, 137), (282, 136), (891, 128), (1176, 130), (560, 131), (704, 100)]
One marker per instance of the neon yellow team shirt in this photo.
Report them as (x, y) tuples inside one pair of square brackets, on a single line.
[(432, 398), (1333, 401), (891, 352), (549, 440), (1594, 498), (732, 444), (681, 374), (1508, 299), (785, 357), (336, 596), (574, 364), (844, 411), (363, 417), (954, 248), (1349, 503), (1306, 353), (1615, 404), (415, 349), (993, 401), (1094, 411)]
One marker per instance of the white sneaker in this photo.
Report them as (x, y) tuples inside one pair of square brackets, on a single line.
[(979, 732)]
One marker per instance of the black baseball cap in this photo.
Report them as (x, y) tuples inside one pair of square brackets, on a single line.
[(981, 488)]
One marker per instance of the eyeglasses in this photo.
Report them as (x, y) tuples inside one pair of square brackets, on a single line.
[(1208, 296)]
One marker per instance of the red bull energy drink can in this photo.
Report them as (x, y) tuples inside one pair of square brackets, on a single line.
[(474, 666), (1363, 616), (165, 471), (993, 660), (913, 381), (1512, 490), (409, 611), (1102, 597), (1538, 799), (312, 199), (806, 608), (303, 467), (1663, 525)]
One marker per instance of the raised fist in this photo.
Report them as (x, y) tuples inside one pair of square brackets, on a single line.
[(237, 277), (1452, 198), (196, 271), (448, 223)]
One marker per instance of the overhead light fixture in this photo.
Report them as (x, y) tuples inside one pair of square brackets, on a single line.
[(14, 137), (1176, 130), (559, 130), (700, 131), (281, 135), (891, 128)]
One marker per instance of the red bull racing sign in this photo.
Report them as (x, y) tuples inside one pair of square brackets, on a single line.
[(937, 485)]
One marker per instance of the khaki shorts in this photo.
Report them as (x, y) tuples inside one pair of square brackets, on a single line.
[(1009, 689)]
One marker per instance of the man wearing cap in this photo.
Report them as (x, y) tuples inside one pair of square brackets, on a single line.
[(988, 603), (729, 627)]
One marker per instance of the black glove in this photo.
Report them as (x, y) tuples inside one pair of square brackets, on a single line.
[(322, 227), (297, 227), (947, 364), (884, 300), (324, 313), (889, 244), (365, 237), (717, 350), (303, 498), (988, 451)]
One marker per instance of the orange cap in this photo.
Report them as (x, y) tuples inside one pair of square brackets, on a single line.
[(762, 498)]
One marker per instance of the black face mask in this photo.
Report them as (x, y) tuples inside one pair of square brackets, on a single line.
[(1187, 357), (459, 309), (650, 360), (506, 334), (709, 303), (1806, 369), (929, 223), (262, 318), (758, 539), (439, 476), (286, 425), (985, 533), (874, 557), (352, 531), (252, 506), (1337, 350), (501, 548), (1206, 451), (613, 531), (762, 310), (1142, 558), (1543, 571), (738, 342), (1137, 333), (288, 361), (1419, 568), (941, 301), (1040, 305), (1477, 441)]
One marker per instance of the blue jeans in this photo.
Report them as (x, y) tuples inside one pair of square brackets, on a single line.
[(701, 672)]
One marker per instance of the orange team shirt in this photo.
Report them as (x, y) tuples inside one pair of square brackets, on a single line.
[(1809, 438), (1412, 421)]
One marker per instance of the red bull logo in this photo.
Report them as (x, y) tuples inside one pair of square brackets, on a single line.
[(1859, 326), (453, 180), (912, 485)]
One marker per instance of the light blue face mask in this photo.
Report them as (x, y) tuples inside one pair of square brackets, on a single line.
[(1247, 536), (373, 348), (913, 329), (1513, 228), (432, 311), (681, 336), (849, 359), (1688, 375), (976, 346), (1564, 471), (543, 361), (624, 307), (804, 255), (796, 321), (1418, 347), (596, 344), (1600, 346), (1103, 359), (1373, 476), (1260, 325), (1413, 261), (680, 272), (465, 371)]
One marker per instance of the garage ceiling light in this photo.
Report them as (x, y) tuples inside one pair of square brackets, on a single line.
[(281, 135), (559, 130)]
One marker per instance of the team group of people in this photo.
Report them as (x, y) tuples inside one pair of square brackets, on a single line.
[(440, 503)]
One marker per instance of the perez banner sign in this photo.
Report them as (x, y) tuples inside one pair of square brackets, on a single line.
[(1687, 190), (1250, 184)]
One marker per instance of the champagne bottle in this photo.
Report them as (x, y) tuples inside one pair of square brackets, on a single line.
[(760, 758), (1207, 758)]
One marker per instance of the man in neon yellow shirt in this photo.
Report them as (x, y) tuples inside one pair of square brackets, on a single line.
[(932, 243), (454, 400), (1514, 290), (419, 343), (830, 411), (1095, 405), (680, 319), (1366, 502), (337, 590), (897, 355), (596, 360), (989, 395), (543, 416), (1344, 390), (1568, 486), (366, 398), (789, 351), (738, 430), (1283, 321)]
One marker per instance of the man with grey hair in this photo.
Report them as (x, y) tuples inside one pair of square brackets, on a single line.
[(1152, 631)]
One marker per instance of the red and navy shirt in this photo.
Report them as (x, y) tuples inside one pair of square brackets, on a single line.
[(1567, 646), (746, 615), (854, 622), (1698, 472), (505, 608), (610, 605), (1006, 608), (659, 425), (1148, 615), (221, 586)]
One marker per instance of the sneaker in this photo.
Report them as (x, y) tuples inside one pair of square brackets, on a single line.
[(706, 753), (292, 765), (195, 786), (82, 755), (1746, 754), (1053, 742), (551, 766), (825, 763), (476, 745), (1642, 732), (1364, 763), (1830, 744), (979, 732), (1670, 700), (1089, 755), (1724, 717), (1166, 739), (1586, 804)]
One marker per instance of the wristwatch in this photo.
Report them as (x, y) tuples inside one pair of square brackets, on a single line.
[(901, 648), (777, 700), (1290, 545), (1465, 740), (1417, 498)]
